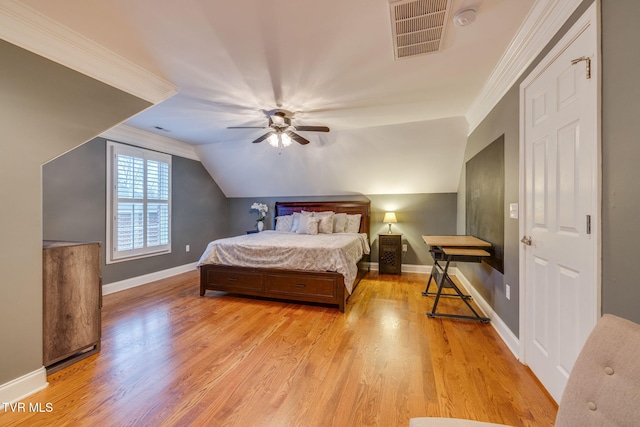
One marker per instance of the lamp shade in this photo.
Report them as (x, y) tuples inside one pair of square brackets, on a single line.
[(389, 217)]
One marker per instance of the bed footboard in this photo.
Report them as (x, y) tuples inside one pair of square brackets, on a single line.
[(292, 285)]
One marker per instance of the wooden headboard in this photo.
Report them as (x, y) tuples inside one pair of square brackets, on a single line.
[(362, 208)]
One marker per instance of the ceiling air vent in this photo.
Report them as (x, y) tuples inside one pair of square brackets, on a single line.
[(418, 26)]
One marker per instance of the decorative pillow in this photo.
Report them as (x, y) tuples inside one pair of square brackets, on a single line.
[(308, 224), (284, 223), (339, 222), (296, 219), (326, 221), (353, 223)]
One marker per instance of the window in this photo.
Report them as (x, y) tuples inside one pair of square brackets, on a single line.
[(138, 202)]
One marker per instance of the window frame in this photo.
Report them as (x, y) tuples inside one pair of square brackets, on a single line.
[(112, 254)]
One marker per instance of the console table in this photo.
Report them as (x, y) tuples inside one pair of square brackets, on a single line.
[(449, 249)]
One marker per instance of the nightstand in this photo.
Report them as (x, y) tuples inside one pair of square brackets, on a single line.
[(390, 253)]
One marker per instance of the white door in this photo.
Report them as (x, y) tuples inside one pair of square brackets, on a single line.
[(560, 158)]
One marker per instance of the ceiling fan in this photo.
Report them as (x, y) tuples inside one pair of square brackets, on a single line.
[(281, 132)]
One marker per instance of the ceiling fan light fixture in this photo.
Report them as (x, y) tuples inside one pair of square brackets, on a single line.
[(273, 140), (279, 140), (286, 141)]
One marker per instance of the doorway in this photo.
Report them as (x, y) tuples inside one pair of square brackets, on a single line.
[(560, 195)]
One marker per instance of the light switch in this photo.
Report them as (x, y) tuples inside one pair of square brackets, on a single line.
[(513, 210)]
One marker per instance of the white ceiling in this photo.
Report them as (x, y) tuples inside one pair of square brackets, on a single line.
[(396, 126)]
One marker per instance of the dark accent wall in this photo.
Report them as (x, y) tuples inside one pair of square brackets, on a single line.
[(417, 214), (489, 282), (74, 206), (485, 200)]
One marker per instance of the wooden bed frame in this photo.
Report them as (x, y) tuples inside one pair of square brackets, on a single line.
[(296, 285)]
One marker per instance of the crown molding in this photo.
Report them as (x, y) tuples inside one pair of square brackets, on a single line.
[(142, 138), (542, 23), (33, 31)]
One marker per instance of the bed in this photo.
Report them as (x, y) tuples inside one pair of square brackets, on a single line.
[(219, 272)]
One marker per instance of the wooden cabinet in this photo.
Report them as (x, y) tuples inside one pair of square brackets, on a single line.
[(390, 253), (72, 300)]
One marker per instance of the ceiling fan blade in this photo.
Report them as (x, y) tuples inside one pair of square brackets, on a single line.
[(297, 138), (247, 127), (312, 128), (263, 137)]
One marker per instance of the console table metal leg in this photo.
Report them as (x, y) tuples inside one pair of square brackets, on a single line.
[(440, 275), (426, 291), (449, 283), (443, 275)]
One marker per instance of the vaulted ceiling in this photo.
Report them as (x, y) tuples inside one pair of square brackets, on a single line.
[(397, 126)]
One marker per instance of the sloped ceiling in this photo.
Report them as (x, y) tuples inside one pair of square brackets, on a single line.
[(390, 159), (396, 126)]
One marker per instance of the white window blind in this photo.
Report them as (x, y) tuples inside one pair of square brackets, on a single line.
[(139, 200)]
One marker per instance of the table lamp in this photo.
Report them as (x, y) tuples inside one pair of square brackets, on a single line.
[(389, 218)]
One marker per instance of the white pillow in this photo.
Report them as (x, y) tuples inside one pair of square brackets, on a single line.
[(353, 223), (339, 222), (326, 221), (296, 219), (284, 223), (308, 224)]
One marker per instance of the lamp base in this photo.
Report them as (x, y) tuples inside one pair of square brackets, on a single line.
[(389, 229)]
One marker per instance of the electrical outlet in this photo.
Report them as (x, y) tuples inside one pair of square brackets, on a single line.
[(404, 247), (507, 291), (188, 248)]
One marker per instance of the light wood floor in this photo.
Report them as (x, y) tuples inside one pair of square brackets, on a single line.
[(170, 357)]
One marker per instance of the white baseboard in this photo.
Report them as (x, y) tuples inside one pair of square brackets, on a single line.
[(406, 268), (498, 324), (23, 386), (143, 280), (413, 268)]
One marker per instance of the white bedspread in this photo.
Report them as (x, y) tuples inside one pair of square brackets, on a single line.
[(338, 252)]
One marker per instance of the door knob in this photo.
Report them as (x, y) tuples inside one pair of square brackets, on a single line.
[(526, 240)]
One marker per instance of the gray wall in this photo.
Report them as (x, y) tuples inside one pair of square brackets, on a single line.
[(74, 206), (489, 282), (417, 214), (45, 110), (620, 158)]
